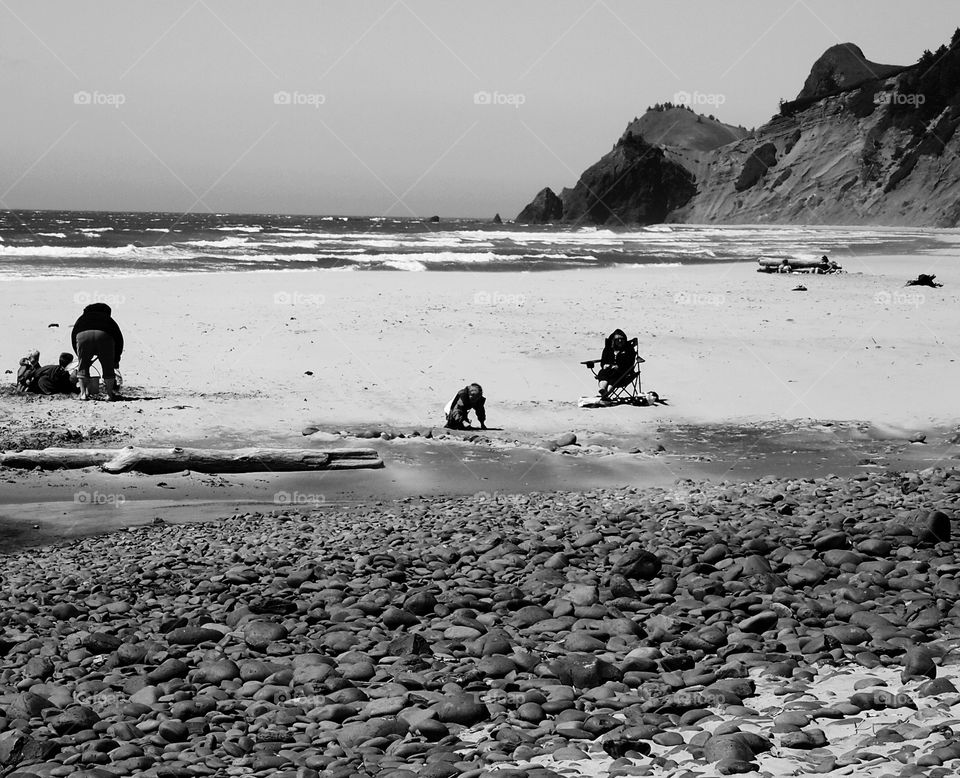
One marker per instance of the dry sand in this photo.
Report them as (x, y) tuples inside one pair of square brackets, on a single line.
[(224, 356)]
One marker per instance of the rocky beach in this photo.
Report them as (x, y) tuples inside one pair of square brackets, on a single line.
[(771, 627), (756, 577), (313, 465)]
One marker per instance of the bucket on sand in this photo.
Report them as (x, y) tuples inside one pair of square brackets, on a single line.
[(94, 385)]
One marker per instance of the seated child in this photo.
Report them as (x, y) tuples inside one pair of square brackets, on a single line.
[(470, 398), (29, 365)]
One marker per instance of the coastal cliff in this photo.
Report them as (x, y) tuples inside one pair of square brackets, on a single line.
[(863, 143)]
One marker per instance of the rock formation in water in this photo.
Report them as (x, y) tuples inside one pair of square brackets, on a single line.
[(546, 207)]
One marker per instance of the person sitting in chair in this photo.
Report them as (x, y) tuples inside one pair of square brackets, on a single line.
[(470, 398), (616, 363)]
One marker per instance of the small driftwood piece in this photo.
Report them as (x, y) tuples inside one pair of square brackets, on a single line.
[(154, 461)]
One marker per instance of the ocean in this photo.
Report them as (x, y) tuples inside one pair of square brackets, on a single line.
[(79, 243)]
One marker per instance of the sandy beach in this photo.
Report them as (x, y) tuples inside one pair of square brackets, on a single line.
[(757, 378), (258, 356)]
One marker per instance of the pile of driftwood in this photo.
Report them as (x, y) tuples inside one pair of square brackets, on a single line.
[(154, 461), (795, 265)]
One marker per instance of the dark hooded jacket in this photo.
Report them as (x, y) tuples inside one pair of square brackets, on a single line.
[(462, 402), (625, 358), (96, 316), (53, 379)]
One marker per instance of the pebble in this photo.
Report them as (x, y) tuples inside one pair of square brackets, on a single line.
[(446, 636)]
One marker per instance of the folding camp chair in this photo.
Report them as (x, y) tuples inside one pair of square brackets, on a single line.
[(627, 392)]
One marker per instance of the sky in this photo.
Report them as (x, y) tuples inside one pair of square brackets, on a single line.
[(387, 107)]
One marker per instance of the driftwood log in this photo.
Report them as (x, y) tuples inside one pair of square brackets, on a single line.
[(202, 460), (774, 265)]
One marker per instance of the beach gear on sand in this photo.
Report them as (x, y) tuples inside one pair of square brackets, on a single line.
[(596, 401), (924, 280), (90, 385)]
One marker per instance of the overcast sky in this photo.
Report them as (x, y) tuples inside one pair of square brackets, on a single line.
[(382, 107)]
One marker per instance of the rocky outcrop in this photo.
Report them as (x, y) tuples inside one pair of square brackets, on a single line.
[(634, 183), (758, 163), (545, 208), (842, 67), (863, 144), (683, 128)]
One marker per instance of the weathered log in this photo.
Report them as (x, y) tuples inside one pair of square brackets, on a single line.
[(202, 460), (773, 264), (56, 458)]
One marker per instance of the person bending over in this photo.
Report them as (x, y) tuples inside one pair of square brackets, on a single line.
[(470, 398), (616, 363), (96, 334), (55, 379)]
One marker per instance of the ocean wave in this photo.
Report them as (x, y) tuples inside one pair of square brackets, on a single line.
[(429, 257), (223, 243), (93, 252)]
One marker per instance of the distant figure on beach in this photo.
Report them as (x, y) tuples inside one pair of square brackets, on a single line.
[(470, 398), (27, 371), (616, 362), (97, 335), (827, 265), (55, 379)]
